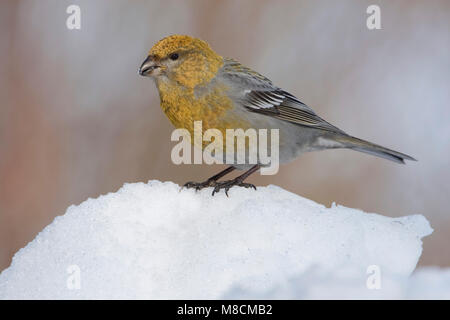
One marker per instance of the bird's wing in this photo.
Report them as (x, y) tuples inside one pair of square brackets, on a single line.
[(261, 96)]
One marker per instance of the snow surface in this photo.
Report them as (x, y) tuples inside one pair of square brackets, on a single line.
[(157, 241)]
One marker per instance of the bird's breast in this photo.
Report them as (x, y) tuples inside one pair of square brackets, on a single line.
[(213, 107)]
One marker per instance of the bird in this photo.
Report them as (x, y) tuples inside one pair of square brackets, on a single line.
[(197, 84)]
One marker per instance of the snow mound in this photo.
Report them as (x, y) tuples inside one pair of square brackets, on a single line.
[(425, 283), (157, 241)]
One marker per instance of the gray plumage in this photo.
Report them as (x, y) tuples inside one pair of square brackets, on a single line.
[(267, 106)]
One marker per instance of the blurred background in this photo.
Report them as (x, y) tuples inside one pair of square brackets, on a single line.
[(76, 120)]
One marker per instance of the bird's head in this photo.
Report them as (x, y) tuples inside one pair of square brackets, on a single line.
[(183, 60)]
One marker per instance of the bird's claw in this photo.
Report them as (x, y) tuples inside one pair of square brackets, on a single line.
[(218, 185), (199, 185), (227, 185)]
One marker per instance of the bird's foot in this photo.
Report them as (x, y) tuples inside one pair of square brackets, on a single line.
[(200, 185), (218, 185), (228, 184)]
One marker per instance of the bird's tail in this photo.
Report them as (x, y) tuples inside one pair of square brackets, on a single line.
[(371, 148)]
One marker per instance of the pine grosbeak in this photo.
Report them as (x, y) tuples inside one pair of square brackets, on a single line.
[(195, 83)]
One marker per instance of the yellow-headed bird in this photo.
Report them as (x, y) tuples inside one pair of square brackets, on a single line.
[(195, 83)]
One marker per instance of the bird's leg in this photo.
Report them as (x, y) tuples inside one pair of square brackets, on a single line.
[(238, 181), (211, 182)]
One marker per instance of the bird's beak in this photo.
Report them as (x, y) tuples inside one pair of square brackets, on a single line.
[(147, 67)]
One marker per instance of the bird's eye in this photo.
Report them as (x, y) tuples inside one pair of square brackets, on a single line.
[(173, 56)]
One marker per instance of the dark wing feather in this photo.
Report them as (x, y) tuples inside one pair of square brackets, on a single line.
[(261, 96)]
